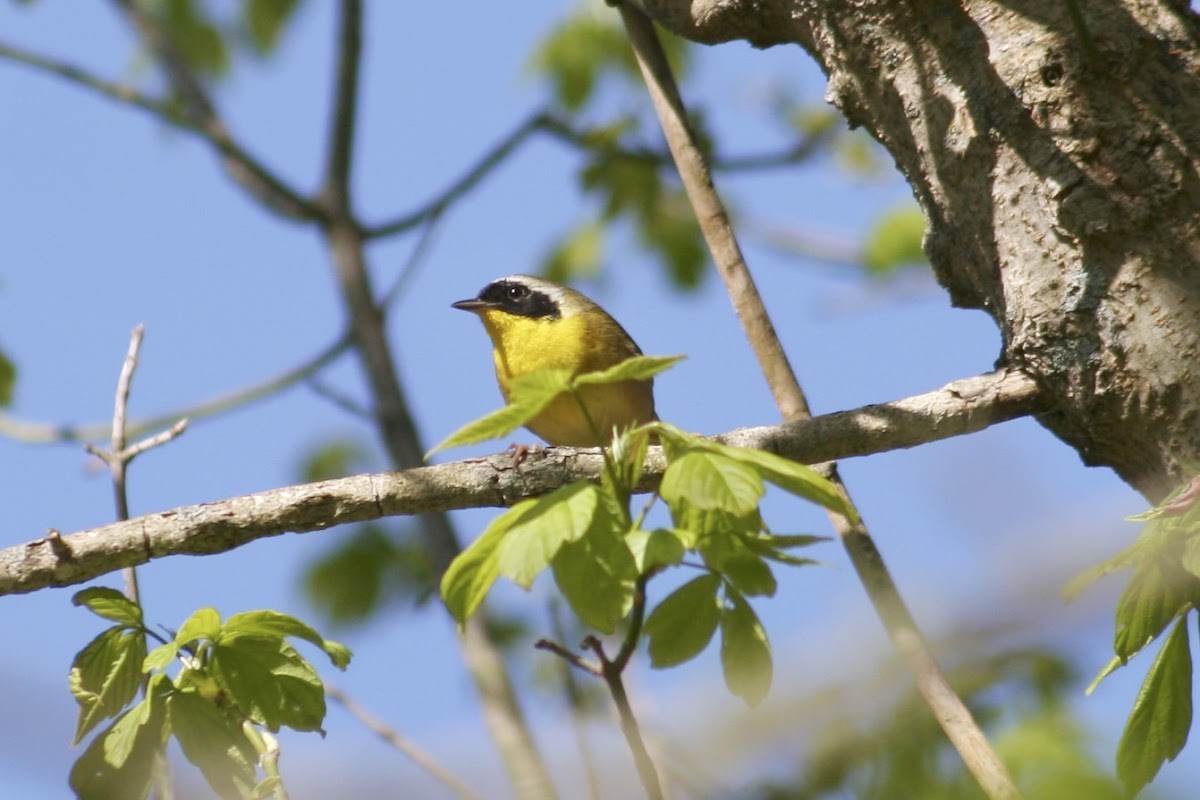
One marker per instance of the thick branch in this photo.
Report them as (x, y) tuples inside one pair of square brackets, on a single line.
[(961, 407)]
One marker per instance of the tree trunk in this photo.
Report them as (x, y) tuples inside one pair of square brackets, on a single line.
[(1053, 147)]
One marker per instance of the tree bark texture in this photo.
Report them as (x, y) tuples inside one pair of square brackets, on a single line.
[(1055, 155)]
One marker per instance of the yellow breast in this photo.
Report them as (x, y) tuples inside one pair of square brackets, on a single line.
[(579, 343)]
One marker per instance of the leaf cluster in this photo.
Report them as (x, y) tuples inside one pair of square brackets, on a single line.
[(237, 676), (1162, 591), (587, 51), (601, 556)]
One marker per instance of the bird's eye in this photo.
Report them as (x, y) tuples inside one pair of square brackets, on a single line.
[(516, 291)]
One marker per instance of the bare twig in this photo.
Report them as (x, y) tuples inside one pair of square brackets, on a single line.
[(119, 456), (490, 160), (947, 707), (54, 560), (403, 744), (574, 659)]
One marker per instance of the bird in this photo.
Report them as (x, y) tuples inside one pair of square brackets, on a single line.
[(536, 324)]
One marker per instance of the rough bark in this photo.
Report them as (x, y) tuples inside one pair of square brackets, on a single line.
[(1056, 162)]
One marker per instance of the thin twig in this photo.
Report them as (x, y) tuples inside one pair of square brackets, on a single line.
[(947, 707), (401, 743), (41, 433), (572, 658), (119, 456), (490, 160), (647, 772), (202, 115)]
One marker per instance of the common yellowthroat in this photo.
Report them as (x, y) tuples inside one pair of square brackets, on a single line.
[(536, 324)]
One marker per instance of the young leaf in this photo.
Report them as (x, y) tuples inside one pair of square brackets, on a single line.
[(473, 571), (204, 623), (1162, 715), (637, 368), (160, 657), (530, 394), (750, 575), (1146, 546), (105, 676), (711, 482), (1155, 595), (655, 549), (110, 604), (213, 741), (791, 476), (597, 574), (745, 651), (729, 556), (562, 516), (119, 762), (270, 682), (683, 624), (269, 623)]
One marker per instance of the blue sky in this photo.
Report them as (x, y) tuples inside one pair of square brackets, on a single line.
[(113, 220)]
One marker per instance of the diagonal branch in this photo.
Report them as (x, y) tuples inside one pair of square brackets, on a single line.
[(201, 116), (961, 407), (947, 707)]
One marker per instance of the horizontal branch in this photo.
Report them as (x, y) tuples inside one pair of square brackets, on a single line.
[(959, 408)]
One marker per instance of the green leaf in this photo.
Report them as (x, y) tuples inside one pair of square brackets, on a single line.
[(105, 676), (1190, 559), (729, 556), (562, 516), (670, 230), (683, 624), (267, 623), (576, 53), (1146, 546), (204, 623), (8, 380), (197, 38), (745, 651), (791, 476), (213, 741), (530, 394), (265, 20), (637, 368), (653, 550), (471, 574), (119, 762), (1162, 715), (894, 241), (750, 574), (711, 482), (351, 581), (771, 547), (270, 682), (597, 575), (161, 657), (1108, 669), (110, 604), (1155, 595), (335, 458), (577, 255)]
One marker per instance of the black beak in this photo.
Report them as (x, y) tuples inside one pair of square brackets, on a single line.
[(474, 304)]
